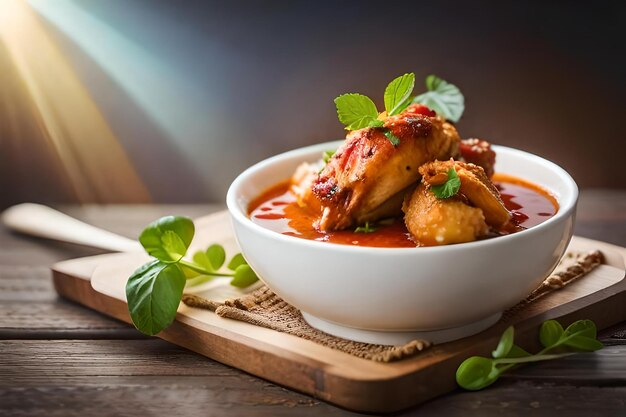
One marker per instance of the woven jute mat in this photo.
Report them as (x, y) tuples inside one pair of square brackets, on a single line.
[(264, 308)]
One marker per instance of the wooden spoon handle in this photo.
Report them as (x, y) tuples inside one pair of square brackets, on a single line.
[(42, 221)]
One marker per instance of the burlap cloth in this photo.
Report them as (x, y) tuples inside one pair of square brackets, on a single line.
[(264, 308)]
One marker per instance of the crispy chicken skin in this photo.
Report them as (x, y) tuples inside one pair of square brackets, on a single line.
[(433, 221), (366, 178)]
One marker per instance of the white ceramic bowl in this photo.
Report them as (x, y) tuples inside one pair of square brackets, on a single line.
[(393, 295)]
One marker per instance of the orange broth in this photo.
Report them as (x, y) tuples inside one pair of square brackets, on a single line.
[(276, 209)]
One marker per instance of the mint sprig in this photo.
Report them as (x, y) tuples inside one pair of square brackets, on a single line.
[(448, 188), (154, 290), (443, 97), (398, 94), (357, 111), (478, 372)]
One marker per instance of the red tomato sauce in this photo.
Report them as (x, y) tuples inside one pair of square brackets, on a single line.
[(276, 209)]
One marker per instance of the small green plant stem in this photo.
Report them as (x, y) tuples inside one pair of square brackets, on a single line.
[(200, 279), (534, 358), (197, 268)]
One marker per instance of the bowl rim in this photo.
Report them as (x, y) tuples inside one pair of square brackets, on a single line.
[(238, 214)]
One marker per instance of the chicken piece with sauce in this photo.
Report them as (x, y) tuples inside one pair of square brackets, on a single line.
[(461, 218), (367, 178), (478, 152)]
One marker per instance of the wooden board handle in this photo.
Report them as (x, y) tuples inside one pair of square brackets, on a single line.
[(42, 221)]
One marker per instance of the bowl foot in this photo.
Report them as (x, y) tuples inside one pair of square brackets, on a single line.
[(400, 338)]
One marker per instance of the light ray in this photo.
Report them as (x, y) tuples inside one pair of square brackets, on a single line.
[(94, 161)]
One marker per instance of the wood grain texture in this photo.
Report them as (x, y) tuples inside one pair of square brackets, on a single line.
[(147, 377), (25, 261), (328, 374), (153, 377), (29, 306)]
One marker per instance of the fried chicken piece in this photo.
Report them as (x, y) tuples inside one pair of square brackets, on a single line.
[(366, 178), (433, 221), (475, 186), (479, 152), (301, 185)]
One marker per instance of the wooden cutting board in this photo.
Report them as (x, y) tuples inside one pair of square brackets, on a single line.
[(98, 282)]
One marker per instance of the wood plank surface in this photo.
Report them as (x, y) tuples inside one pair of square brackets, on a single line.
[(29, 306), (341, 379), (153, 377), (24, 264)]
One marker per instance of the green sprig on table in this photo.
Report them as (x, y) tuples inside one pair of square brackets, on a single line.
[(478, 372), (155, 290)]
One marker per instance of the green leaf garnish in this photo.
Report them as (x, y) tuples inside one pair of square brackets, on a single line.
[(581, 335), (550, 332), (505, 345), (155, 290), (367, 228), (395, 141), (327, 155), (478, 372), (442, 97), (201, 259), (236, 261), (244, 276), (448, 188), (168, 238), (357, 111), (398, 93), (216, 255)]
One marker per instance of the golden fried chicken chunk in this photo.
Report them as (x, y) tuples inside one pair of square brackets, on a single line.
[(367, 177), (475, 186), (433, 221)]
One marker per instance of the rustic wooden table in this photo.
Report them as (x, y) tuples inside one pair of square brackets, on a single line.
[(60, 359)]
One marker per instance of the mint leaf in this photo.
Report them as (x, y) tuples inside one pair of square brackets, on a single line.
[(236, 261), (153, 293), (586, 328), (505, 345), (216, 255), (442, 97), (327, 155), (244, 276), (168, 238), (395, 141), (586, 344), (367, 228), (397, 93), (476, 373), (201, 259), (517, 352), (550, 333), (357, 111), (448, 188)]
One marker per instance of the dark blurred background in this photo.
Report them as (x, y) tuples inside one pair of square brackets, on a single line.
[(137, 101)]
